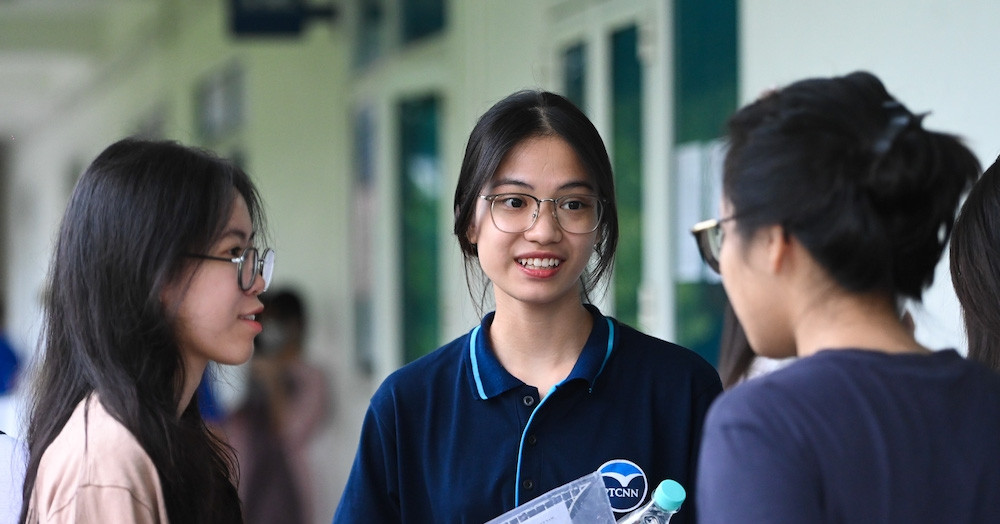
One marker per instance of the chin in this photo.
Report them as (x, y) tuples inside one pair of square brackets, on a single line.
[(237, 358)]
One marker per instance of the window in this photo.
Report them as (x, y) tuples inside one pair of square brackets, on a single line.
[(378, 21), (422, 18), (574, 60), (419, 197), (705, 95), (626, 154), (371, 34)]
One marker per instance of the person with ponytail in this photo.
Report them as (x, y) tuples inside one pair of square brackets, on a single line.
[(156, 272), (837, 206)]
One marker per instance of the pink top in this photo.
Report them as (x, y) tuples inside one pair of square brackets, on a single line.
[(96, 471)]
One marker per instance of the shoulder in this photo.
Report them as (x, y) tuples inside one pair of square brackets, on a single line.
[(103, 433), (822, 387), (644, 351), (441, 366), (640, 343), (749, 401), (760, 421), (786, 387), (92, 455)]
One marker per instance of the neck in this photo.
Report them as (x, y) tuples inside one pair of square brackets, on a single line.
[(540, 345), (820, 314), (854, 321), (194, 368)]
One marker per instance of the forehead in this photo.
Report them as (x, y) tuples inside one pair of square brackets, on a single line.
[(541, 162), (239, 223)]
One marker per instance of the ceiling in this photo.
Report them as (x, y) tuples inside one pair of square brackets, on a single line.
[(52, 49)]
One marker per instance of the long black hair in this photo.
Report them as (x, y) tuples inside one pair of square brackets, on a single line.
[(735, 354), (850, 173), (975, 266), (511, 121), (135, 213)]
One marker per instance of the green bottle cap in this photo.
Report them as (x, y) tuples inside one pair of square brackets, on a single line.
[(669, 495)]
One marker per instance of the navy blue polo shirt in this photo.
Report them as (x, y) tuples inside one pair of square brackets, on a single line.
[(454, 437)]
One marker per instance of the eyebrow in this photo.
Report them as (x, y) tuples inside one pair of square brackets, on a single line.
[(576, 184), (239, 233)]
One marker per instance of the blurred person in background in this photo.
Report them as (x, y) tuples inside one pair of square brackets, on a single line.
[(287, 403), (10, 373), (12, 453)]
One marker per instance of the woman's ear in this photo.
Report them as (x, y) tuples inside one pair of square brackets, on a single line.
[(779, 246), (472, 233), (170, 297)]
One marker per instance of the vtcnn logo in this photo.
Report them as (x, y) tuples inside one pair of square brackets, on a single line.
[(626, 484)]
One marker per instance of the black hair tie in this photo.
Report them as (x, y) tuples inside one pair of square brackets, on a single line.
[(900, 118)]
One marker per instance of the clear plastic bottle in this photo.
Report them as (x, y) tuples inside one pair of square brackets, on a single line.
[(667, 499)]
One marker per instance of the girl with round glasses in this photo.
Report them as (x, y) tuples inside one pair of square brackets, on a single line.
[(142, 294), (837, 206), (547, 388)]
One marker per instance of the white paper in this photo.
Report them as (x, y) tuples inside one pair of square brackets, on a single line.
[(558, 514)]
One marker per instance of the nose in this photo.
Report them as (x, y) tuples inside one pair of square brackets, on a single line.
[(546, 227), (258, 282)]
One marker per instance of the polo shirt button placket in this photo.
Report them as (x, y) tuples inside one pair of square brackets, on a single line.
[(528, 485), (532, 440), (528, 400)]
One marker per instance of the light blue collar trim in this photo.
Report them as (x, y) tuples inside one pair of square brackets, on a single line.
[(611, 346), (473, 337)]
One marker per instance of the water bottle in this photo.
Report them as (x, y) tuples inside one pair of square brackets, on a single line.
[(667, 499)]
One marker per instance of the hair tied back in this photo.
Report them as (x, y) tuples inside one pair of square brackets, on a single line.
[(900, 118)]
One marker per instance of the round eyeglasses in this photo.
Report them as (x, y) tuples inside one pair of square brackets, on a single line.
[(708, 235), (513, 212), (248, 265)]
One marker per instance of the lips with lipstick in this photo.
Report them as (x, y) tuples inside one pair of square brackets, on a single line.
[(539, 263), (252, 316), (251, 320)]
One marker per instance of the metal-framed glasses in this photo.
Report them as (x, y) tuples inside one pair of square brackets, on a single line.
[(513, 212), (708, 235), (248, 265)]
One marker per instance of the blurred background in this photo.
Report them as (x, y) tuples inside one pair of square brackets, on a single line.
[(352, 116)]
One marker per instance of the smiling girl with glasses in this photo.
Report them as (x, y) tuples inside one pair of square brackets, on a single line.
[(546, 388), (131, 321)]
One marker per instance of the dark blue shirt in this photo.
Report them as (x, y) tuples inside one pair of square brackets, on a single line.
[(454, 437), (856, 436)]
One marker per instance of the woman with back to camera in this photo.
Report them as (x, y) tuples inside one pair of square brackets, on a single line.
[(836, 206), (546, 389), (155, 273), (975, 267)]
